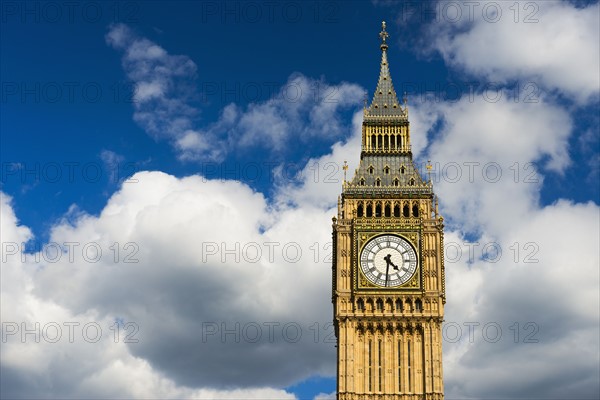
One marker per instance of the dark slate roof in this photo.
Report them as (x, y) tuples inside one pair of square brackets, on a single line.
[(392, 163), (385, 100)]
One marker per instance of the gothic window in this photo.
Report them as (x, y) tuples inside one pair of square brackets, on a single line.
[(415, 210), (418, 306), (378, 182), (379, 304), (412, 182), (378, 210), (369, 210), (371, 169), (362, 182), (405, 211), (402, 169), (359, 210), (396, 210), (409, 380), (398, 305), (389, 306), (369, 304), (379, 363), (396, 182), (399, 365), (386, 170), (370, 355), (360, 305), (386, 142), (373, 142), (388, 211), (379, 141)]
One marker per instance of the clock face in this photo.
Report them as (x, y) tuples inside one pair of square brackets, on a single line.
[(388, 260)]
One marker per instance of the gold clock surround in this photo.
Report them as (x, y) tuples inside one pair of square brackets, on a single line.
[(362, 237)]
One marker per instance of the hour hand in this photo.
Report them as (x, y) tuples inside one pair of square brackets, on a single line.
[(388, 260)]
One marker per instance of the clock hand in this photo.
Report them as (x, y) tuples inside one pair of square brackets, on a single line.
[(388, 260)]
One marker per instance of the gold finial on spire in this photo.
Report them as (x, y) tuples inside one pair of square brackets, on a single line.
[(345, 168), (383, 35), (429, 167)]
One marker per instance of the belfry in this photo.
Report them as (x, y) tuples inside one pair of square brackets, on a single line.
[(388, 263)]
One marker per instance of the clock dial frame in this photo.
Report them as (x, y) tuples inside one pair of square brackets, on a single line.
[(388, 260)]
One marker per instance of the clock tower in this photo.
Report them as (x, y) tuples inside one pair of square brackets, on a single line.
[(388, 263)]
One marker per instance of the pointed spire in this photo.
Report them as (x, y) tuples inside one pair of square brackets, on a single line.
[(385, 101)]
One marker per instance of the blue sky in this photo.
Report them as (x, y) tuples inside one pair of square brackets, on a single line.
[(238, 61), (169, 124)]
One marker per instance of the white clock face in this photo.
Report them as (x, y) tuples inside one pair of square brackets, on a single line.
[(388, 261)]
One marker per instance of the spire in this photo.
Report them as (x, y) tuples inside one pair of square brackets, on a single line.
[(385, 101)]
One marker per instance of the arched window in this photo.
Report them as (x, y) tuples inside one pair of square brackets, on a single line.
[(388, 210), (405, 211), (360, 305), (415, 210), (379, 305), (379, 142), (396, 182), (396, 210), (371, 169), (378, 182), (418, 306), (386, 170), (398, 305), (408, 305), (362, 182), (386, 142), (369, 210), (378, 210), (389, 306), (359, 210), (373, 142), (412, 182), (402, 169)]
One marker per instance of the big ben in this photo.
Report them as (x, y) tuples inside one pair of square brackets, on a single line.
[(388, 263)]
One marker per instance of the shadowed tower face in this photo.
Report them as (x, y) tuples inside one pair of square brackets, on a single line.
[(388, 265)]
